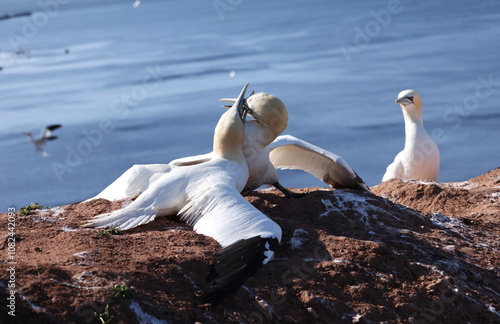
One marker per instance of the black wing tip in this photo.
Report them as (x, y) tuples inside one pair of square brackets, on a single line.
[(362, 184), (55, 126), (233, 265), (50, 138)]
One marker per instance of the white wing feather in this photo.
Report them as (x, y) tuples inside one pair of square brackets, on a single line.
[(288, 152), (219, 211), (133, 182)]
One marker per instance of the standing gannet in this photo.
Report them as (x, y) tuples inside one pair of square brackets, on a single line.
[(207, 197), (419, 160), (45, 135)]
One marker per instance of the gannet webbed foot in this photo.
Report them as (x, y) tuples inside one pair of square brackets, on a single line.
[(286, 192)]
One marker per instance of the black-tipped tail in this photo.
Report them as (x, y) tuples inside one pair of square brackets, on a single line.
[(234, 264)]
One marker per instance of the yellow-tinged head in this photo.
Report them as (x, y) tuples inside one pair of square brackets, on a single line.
[(409, 100), (409, 97), (269, 110)]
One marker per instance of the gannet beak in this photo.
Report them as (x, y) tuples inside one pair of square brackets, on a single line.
[(233, 100), (404, 100), (239, 103)]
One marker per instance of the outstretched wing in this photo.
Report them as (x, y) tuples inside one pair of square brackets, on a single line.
[(133, 182), (288, 152), (248, 237), (48, 130)]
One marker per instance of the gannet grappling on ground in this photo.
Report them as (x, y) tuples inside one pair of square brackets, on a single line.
[(45, 135), (419, 160), (264, 152), (270, 120), (207, 197)]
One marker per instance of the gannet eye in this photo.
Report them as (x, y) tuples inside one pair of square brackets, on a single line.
[(410, 97)]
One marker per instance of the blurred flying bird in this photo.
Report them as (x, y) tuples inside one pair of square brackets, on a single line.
[(45, 135)]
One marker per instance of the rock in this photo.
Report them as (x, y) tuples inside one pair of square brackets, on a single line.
[(410, 252)]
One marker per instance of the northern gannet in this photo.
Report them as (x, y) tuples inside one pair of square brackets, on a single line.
[(45, 135), (419, 160), (270, 120), (264, 151), (207, 197)]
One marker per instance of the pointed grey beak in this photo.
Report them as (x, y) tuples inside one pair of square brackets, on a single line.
[(239, 103), (232, 100), (404, 100)]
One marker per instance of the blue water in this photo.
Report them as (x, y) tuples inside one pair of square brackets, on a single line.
[(141, 85)]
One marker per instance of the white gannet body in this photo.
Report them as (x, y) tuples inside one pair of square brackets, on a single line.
[(207, 197), (45, 136), (419, 160), (264, 152)]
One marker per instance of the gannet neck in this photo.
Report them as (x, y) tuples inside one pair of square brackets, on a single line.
[(411, 106), (413, 129), (228, 136), (412, 114)]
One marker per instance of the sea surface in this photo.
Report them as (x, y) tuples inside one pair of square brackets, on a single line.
[(139, 82)]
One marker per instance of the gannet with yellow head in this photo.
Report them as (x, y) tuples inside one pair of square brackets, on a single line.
[(264, 150), (419, 160)]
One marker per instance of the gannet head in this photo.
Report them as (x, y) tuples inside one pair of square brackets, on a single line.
[(268, 110), (409, 100), (228, 137)]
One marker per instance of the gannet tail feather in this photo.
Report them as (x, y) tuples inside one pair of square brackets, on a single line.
[(288, 152), (236, 263)]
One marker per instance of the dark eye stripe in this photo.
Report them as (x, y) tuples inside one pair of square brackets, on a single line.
[(410, 97)]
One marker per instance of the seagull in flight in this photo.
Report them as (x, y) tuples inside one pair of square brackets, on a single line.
[(45, 135)]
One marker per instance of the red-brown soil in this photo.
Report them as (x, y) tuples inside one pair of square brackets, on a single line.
[(416, 253)]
